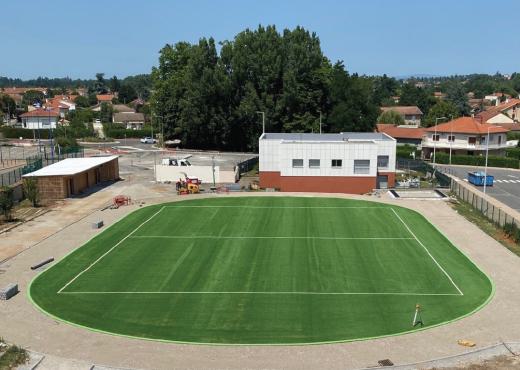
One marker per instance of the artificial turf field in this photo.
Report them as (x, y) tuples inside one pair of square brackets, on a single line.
[(263, 270)]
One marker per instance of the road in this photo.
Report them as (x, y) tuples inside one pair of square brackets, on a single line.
[(506, 187)]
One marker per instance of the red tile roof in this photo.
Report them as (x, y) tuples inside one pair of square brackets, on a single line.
[(400, 132), (466, 125), (404, 110), (41, 113), (105, 97), (493, 111)]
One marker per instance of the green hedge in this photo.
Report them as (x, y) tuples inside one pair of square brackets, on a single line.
[(470, 160), (121, 133), (16, 132), (404, 151), (513, 153)]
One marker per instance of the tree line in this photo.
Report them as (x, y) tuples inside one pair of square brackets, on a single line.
[(210, 96)]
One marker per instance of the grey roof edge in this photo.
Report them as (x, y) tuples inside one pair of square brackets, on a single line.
[(336, 137)]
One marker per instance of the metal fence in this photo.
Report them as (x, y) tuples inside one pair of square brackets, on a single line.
[(491, 209), (37, 161)]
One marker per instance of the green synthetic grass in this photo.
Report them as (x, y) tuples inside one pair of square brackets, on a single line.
[(263, 270)]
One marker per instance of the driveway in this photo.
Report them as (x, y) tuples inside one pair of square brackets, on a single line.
[(506, 187)]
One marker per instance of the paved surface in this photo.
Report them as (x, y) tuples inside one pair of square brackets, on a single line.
[(506, 188), (22, 323)]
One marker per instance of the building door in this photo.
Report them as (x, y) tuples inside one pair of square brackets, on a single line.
[(71, 187), (382, 182)]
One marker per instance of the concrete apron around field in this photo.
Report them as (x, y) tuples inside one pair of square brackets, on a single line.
[(25, 325)]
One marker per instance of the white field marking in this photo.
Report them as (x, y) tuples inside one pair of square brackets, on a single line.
[(427, 251), (258, 237), (274, 292), (275, 207), (110, 250)]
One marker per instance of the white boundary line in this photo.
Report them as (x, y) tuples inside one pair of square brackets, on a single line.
[(110, 250), (274, 292), (258, 237), (427, 251), (276, 207)]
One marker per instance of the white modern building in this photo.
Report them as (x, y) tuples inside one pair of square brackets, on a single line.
[(330, 163), (464, 135), (40, 119)]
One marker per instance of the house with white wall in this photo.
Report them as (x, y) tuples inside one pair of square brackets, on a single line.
[(464, 135), (40, 119), (412, 115), (330, 163)]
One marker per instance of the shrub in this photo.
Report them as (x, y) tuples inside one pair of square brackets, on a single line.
[(120, 133), (30, 190), (404, 151), (16, 132), (470, 160)]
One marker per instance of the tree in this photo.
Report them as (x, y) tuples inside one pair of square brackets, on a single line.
[(7, 104), (32, 97), (82, 102), (420, 97), (352, 106), (114, 84), (384, 88), (99, 86), (31, 191), (126, 94), (106, 112), (441, 109), (6, 201), (391, 117), (457, 95)]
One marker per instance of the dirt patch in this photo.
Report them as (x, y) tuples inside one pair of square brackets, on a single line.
[(495, 363)]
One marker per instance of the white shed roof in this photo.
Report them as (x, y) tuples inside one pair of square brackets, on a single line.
[(71, 166)]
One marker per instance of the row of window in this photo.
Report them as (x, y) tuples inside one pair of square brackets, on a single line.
[(361, 166), (471, 140)]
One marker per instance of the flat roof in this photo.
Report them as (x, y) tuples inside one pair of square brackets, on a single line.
[(71, 166), (342, 136)]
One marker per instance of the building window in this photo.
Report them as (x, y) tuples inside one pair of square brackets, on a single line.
[(297, 163), (472, 140), (436, 137), (362, 166), (314, 163), (382, 162), (337, 163), (451, 138), (499, 139)]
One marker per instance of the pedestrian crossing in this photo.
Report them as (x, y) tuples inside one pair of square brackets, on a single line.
[(503, 181)]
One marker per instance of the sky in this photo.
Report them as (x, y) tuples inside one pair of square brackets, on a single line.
[(78, 38)]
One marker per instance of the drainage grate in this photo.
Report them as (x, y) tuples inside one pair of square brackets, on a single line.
[(385, 362)]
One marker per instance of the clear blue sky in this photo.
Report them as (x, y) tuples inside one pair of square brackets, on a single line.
[(78, 38)]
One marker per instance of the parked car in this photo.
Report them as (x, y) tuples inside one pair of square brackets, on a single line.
[(148, 140)]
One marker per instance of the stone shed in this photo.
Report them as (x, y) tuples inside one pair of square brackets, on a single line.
[(73, 176)]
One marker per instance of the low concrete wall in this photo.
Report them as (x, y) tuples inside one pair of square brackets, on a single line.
[(205, 173)]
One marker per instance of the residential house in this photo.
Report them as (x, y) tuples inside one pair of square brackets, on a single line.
[(105, 98), (63, 103), (439, 95), (412, 115), (404, 134), (496, 97), (507, 113), (121, 108), (132, 121), (464, 135), (40, 119)]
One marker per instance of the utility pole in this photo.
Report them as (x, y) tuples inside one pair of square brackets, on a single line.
[(263, 120), (485, 168), (320, 122)]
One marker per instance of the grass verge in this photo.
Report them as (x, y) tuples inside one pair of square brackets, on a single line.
[(496, 232)]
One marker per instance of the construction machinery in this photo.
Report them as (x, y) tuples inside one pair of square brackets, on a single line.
[(190, 185)]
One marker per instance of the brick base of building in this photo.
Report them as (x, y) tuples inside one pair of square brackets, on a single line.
[(322, 184)]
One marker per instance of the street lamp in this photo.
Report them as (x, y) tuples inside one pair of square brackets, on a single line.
[(451, 134), (485, 167), (435, 137), (263, 121), (320, 122)]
